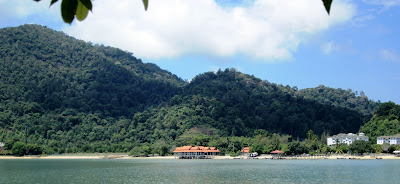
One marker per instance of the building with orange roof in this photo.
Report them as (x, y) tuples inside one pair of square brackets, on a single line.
[(245, 150), (195, 152)]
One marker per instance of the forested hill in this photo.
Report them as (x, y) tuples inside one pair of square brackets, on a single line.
[(386, 121), (340, 98), (73, 96), (236, 104), (48, 70)]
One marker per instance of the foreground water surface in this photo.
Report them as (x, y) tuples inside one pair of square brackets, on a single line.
[(199, 171)]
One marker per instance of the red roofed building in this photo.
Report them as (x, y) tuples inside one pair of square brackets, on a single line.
[(195, 152), (245, 150)]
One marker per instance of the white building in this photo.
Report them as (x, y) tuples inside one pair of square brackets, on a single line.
[(392, 140), (346, 138), (1, 144)]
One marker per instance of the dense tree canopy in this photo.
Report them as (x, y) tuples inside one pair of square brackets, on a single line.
[(386, 121), (55, 84), (357, 101), (360, 146), (74, 96)]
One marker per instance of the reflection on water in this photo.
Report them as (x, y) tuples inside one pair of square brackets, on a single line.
[(199, 171)]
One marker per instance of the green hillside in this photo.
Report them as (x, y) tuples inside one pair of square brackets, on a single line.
[(68, 92), (54, 72), (61, 94), (236, 104), (386, 121)]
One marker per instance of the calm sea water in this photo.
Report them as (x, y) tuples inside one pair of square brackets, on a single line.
[(199, 171)]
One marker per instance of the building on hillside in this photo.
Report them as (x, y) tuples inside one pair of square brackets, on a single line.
[(195, 152), (346, 138), (392, 140)]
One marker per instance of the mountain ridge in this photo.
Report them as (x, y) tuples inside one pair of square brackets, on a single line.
[(74, 96)]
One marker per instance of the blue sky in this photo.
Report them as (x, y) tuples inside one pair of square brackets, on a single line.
[(290, 43)]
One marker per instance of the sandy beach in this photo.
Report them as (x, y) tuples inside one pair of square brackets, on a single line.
[(125, 156), (51, 157), (91, 156)]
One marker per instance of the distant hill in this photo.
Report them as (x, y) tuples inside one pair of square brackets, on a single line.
[(237, 104), (340, 98), (73, 96)]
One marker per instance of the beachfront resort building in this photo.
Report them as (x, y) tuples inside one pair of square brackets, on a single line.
[(392, 140), (195, 152), (346, 138)]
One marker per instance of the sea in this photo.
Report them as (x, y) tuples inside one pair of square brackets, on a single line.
[(198, 171)]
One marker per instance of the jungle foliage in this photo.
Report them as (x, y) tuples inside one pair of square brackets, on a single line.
[(66, 95), (348, 99), (386, 121)]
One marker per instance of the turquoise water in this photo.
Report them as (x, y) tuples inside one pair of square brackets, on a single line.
[(199, 171)]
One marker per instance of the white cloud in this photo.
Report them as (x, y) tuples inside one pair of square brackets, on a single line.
[(329, 47), (385, 3), (22, 9), (270, 29), (375, 7), (389, 55)]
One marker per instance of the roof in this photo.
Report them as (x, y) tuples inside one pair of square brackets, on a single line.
[(390, 136), (349, 135), (189, 149), (277, 151), (246, 150)]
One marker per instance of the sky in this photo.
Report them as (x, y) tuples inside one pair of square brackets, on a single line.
[(293, 43)]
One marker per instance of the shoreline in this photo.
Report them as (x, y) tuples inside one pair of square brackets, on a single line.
[(125, 156)]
